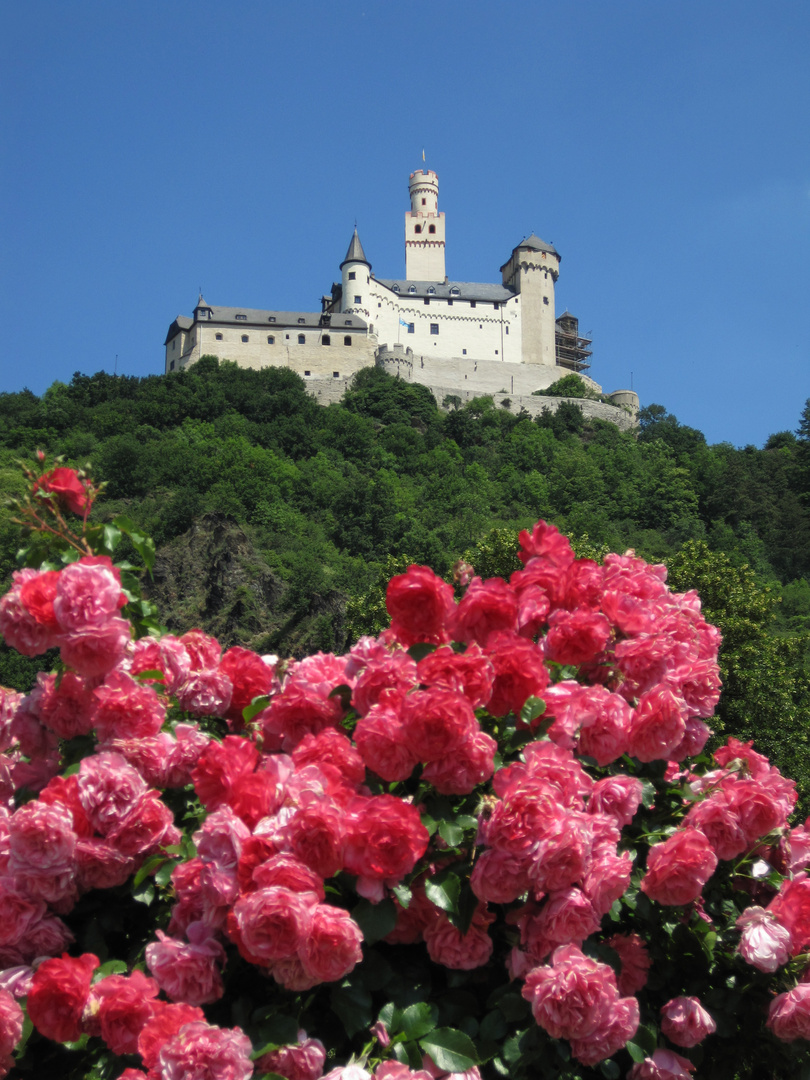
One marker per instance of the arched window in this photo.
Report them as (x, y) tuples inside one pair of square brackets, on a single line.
[(431, 291), (411, 288), (417, 228), (270, 339), (431, 228), (245, 337)]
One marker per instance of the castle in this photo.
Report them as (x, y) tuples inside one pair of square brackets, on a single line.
[(461, 339)]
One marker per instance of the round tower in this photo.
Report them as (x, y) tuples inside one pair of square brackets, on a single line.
[(424, 229), (355, 271)]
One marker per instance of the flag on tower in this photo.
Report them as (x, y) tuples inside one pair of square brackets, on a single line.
[(423, 155)]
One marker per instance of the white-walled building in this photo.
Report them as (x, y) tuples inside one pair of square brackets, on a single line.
[(465, 337)]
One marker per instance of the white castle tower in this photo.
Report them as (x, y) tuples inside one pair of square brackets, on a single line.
[(532, 272), (424, 229)]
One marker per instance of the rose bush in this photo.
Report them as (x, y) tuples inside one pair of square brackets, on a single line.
[(488, 842)]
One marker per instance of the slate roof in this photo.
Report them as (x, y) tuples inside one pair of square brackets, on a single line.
[(534, 243), (355, 252), (227, 316), (443, 290)]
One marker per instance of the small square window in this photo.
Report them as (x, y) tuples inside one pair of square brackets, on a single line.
[(347, 322), (326, 340), (352, 275), (545, 299), (270, 339), (245, 337), (347, 340), (307, 372), (434, 328), (335, 374), (411, 327), (358, 299), (219, 337), (302, 339)]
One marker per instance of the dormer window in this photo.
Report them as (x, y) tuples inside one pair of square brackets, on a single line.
[(271, 318), (412, 289), (431, 291), (301, 322), (241, 318), (347, 322), (396, 288), (454, 291)]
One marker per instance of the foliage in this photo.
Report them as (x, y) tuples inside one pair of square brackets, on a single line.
[(568, 386)]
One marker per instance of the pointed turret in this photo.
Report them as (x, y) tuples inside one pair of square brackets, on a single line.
[(203, 310), (355, 254)]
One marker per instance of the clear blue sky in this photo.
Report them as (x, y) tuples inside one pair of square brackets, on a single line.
[(147, 149)]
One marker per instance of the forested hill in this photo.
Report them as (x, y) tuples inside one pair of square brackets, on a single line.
[(270, 512)]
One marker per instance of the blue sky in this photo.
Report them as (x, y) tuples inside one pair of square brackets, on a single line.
[(149, 149)]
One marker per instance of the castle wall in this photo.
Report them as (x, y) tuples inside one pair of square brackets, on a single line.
[(623, 417), (313, 359), (473, 376)]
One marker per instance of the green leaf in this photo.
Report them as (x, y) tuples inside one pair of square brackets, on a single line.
[(344, 692), (144, 893), (636, 1052), (255, 707), (352, 1004), (450, 833), (430, 823), (532, 708), (419, 1020), (610, 1070), (421, 650), (450, 1049), (164, 874), (111, 967), (467, 821), (375, 920), (143, 544), (112, 538), (78, 1044), (443, 891), (403, 894), (389, 1015), (151, 864), (646, 1037)]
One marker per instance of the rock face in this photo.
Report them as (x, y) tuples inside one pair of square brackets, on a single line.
[(213, 577)]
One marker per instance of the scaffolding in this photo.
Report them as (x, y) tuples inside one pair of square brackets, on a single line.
[(572, 350)]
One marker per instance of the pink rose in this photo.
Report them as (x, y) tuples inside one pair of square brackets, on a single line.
[(663, 1065), (617, 796), (64, 483), (789, 1014), (619, 1023), (570, 998), (333, 944), (486, 608), (58, 995), (20, 628), (93, 650), (303, 1060), (435, 721), (499, 877), (448, 946), (520, 673), (200, 1050), (635, 962), (576, 637), (271, 924), (678, 868), (471, 763), (384, 838), (657, 725), (764, 942), (124, 1005), (88, 593), (380, 739), (108, 789), (469, 673), (188, 971), (11, 1026), (125, 708), (166, 1021), (685, 1022), (420, 605)]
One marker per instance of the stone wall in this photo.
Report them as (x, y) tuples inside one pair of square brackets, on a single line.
[(622, 416)]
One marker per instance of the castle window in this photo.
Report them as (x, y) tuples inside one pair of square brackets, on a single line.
[(410, 327), (335, 374), (352, 275), (270, 339), (434, 328), (174, 343), (464, 353), (245, 337), (358, 299), (496, 305), (507, 329), (241, 318), (347, 340), (171, 366), (496, 352), (431, 291), (347, 322), (326, 340), (454, 291), (427, 299), (545, 299), (396, 288), (472, 303), (417, 228), (449, 303), (301, 321), (411, 289), (219, 337), (424, 201), (271, 318), (379, 305), (307, 372), (302, 339), (431, 228)]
